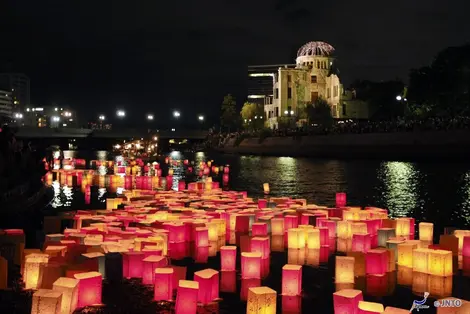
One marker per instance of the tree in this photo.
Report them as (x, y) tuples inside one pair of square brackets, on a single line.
[(229, 117), (319, 113), (252, 115)]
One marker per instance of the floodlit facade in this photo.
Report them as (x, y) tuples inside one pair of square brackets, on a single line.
[(6, 104)]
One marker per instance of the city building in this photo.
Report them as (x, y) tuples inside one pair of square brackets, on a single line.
[(19, 85), (6, 106), (50, 116), (100, 126), (314, 75)]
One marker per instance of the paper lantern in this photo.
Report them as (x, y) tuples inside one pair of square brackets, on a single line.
[(266, 188), (213, 231), (440, 263), (32, 266), (460, 234), (261, 245), (450, 243), (296, 238), (420, 283), (439, 286), (361, 242), (291, 280), (261, 300), (3, 273), (324, 236), (149, 264), (370, 308), (89, 288), (47, 301), (426, 231), (228, 256), (186, 297), (466, 246), (69, 289), (343, 229), (247, 284), (420, 260), (359, 263), (344, 269), (405, 254), (208, 280), (291, 304), (358, 227), (313, 238), (277, 226), (202, 237), (403, 227), (259, 229), (376, 261), (291, 222), (242, 223), (331, 225), (277, 243), (132, 264), (340, 200), (346, 301), (383, 235), (163, 288), (395, 310), (251, 265), (228, 281)]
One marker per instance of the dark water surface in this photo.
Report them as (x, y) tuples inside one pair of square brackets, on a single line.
[(433, 192)]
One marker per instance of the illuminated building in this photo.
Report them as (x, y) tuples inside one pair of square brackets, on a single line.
[(19, 85), (6, 104)]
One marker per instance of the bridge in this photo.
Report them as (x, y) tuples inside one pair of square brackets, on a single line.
[(72, 133)]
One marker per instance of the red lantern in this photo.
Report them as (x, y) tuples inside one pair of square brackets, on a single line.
[(89, 288), (163, 289), (228, 256), (324, 239), (340, 200), (151, 263), (242, 224), (290, 222), (187, 296), (225, 178), (466, 246), (181, 186), (347, 301), (292, 280), (132, 264), (208, 280), (376, 261), (261, 245), (262, 203)]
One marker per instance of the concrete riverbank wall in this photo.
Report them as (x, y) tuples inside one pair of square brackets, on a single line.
[(401, 145)]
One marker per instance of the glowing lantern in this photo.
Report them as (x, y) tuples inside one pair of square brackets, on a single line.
[(242, 223), (344, 269), (266, 188), (277, 226), (163, 289), (359, 263), (450, 243), (313, 239), (466, 246), (151, 263), (343, 229), (331, 225), (69, 289), (291, 222), (186, 297), (340, 200), (440, 286), (251, 265), (370, 307), (208, 280), (261, 300), (384, 234), (324, 239), (420, 260), (296, 238), (358, 227), (89, 288), (259, 229), (395, 310), (181, 186), (228, 281), (277, 243), (46, 301), (261, 245), (361, 242), (32, 266), (132, 264), (291, 280), (460, 234), (376, 261), (405, 254), (440, 263), (202, 237), (213, 231), (346, 301), (426, 231), (403, 227), (228, 256)]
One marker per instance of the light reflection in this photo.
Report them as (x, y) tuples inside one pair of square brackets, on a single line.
[(56, 202), (400, 187), (101, 193)]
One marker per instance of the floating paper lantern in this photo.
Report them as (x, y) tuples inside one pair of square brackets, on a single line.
[(69, 289), (277, 226), (405, 254), (383, 235), (261, 300), (439, 286), (403, 227), (291, 222), (259, 229), (440, 263), (395, 310), (291, 280), (343, 229), (344, 269), (261, 245), (132, 264), (296, 238), (89, 288), (340, 200), (163, 288), (149, 264), (228, 255), (466, 246), (266, 188), (186, 297), (208, 280), (46, 301), (346, 301), (331, 225), (361, 242), (251, 265), (370, 307), (426, 231), (202, 237), (376, 261), (32, 266), (420, 260), (359, 263), (313, 238), (358, 227), (277, 243), (324, 233)]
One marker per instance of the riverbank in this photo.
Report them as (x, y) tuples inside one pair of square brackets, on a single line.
[(388, 146)]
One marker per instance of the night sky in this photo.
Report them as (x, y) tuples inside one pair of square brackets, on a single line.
[(157, 56)]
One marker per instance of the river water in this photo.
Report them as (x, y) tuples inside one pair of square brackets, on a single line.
[(433, 192)]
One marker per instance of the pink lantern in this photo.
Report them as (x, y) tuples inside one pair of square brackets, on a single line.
[(151, 263), (290, 222), (251, 265), (262, 203), (292, 280), (177, 233), (291, 304), (361, 242), (376, 261), (346, 301), (202, 237), (132, 264), (187, 296), (331, 225), (259, 229), (163, 290), (228, 281), (228, 256), (208, 280), (246, 284), (89, 288), (324, 236), (340, 200), (466, 246), (261, 245), (181, 185)]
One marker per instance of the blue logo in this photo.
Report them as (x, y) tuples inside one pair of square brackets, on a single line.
[(419, 305)]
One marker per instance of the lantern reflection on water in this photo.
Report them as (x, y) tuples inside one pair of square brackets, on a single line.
[(261, 300), (228, 281)]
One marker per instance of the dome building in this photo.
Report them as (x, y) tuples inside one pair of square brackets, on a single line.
[(314, 75)]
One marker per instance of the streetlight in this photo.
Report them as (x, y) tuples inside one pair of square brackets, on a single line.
[(18, 115), (121, 113), (102, 117), (67, 114), (176, 114), (150, 117), (398, 97), (201, 118), (55, 119), (292, 112)]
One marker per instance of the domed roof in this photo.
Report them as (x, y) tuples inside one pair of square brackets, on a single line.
[(316, 48)]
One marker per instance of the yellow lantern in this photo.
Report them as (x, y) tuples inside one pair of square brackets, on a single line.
[(440, 263), (213, 229), (296, 238), (370, 307), (403, 227), (277, 226), (405, 254), (343, 228), (344, 269), (266, 188), (69, 289), (261, 300), (313, 239), (460, 234), (46, 301), (420, 260), (439, 286), (32, 266), (358, 228)]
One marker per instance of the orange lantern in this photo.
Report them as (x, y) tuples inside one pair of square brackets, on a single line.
[(261, 300), (370, 307), (208, 280), (440, 263), (228, 255), (163, 289), (32, 266), (426, 230), (344, 269), (291, 280), (405, 254), (186, 297), (89, 288), (251, 265), (277, 226), (295, 238)]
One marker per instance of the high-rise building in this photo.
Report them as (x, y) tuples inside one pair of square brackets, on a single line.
[(19, 85), (6, 104)]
